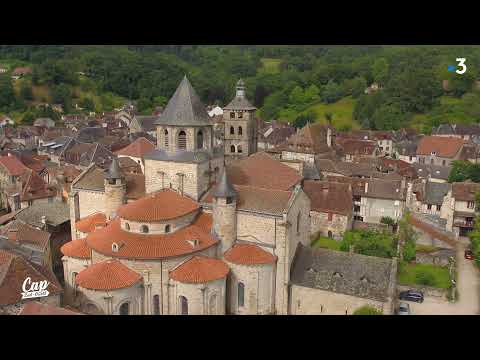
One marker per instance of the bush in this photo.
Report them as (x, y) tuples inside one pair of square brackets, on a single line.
[(425, 278), (409, 251), (387, 220), (371, 243), (367, 310)]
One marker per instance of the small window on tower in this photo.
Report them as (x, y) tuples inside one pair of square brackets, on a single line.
[(144, 229), (240, 130), (232, 130), (232, 115), (240, 115)]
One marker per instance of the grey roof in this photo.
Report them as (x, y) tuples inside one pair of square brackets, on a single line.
[(435, 192), (91, 134), (147, 122), (341, 272), (407, 148), (311, 173), (240, 102), (113, 171), (46, 122), (443, 129), (434, 171), (56, 212), (178, 156), (184, 108), (224, 188)]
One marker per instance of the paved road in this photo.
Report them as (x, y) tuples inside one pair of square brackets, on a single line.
[(468, 288)]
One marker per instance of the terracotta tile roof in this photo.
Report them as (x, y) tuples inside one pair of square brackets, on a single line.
[(446, 147), (138, 148), (91, 222), (358, 147), (246, 254), (34, 187), (77, 248), (107, 275), (269, 201), (163, 205), (311, 139), (37, 308), (153, 246), (261, 170), (329, 197), (200, 269), (465, 191), (14, 269), (13, 165)]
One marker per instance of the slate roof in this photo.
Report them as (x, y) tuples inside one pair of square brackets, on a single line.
[(90, 134), (341, 272), (179, 156), (434, 171), (184, 108), (224, 189), (240, 102), (311, 139), (407, 148), (377, 188), (146, 122), (56, 212), (277, 135), (435, 192)]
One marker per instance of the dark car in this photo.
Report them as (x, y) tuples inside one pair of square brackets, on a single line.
[(411, 295), (469, 255)]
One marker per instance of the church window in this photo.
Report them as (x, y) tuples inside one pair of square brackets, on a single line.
[(156, 305), (200, 140), (127, 226), (114, 247), (183, 305), (125, 309), (228, 200), (165, 135), (212, 305), (74, 285), (241, 294), (240, 130), (167, 228), (232, 148), (298, 222), (232, 115), (240, 115), (239, 148), (232, 130), (144, 229), (182, 140)]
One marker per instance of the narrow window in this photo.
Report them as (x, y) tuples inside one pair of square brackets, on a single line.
[(127, 226), (183, 305), (444, 162), (125, 309), (298, 222), (167, 228), (182, 140), (156, 305), (240, 130), (232, 115), (200, 139), (439, 207), (239, 148), (471, 205), (232, 130), (232, 149), (241, 294), (431, 161), (74, 284), (212, 305), (429, 207), (144, 229), (240, 115), (165, 137)]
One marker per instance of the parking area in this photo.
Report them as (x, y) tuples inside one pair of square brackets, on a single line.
[(468, 288)]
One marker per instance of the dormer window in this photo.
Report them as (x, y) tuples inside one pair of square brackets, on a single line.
[(127, 226), (114, 247)]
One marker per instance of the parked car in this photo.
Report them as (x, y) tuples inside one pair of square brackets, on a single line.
[(403, 309), (469, 255), (411, 295)]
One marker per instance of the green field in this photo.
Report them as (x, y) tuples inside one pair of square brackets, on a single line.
[(325, 242), (342, 113), (408, 274), (270, 66)]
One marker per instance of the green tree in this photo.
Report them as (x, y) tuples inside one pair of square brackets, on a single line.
[(367, 310), (312, 94), (369, 242), (380, 70), (389, 117), (303, 119), (87, 104), (26, 92), (332, 92), (7, 94), (464, 170)]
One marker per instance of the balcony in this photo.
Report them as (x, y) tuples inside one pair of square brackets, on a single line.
[(463, 223)]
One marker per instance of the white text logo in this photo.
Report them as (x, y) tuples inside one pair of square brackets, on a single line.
[(34, 289)]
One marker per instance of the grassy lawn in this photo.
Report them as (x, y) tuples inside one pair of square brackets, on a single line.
[(342, 113), (426, 248), (270, 66), (325, 242), (409, 275)]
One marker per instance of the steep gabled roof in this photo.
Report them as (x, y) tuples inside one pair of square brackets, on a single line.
[(184, 108), (138, 148), (446, 147)]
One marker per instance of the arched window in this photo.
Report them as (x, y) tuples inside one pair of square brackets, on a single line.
[(127, 226), (156, 305), (200, 139), (183, 305), (182, 140), (232, 130), (212, 305), (239, 148), (125, 309), (241, 294), (240, 130), (167, 228), (298, 222), (144, 229), (232, 148), (165, 137)]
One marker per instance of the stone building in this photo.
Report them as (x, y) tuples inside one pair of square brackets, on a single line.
[(240, 126), (185, 159), (437, 150), (427, 196)]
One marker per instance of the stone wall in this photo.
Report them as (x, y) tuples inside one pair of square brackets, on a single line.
[(202, 299), (337, 225)]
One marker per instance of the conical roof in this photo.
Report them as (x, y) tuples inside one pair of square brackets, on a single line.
[(184, 108), (114, 171), (224, 188)]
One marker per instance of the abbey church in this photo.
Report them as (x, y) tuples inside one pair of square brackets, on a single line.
[(196, 237)]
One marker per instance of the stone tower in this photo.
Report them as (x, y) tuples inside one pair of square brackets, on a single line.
[(115, 189), (240, 126), (224, 213), (185, 159)]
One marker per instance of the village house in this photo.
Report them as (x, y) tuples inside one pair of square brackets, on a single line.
[(20, 72), (406, 151), (459, 207), (354, 150), (328, 282), (144, 124), (136, 150), (274, 134), (461, 131), (432, 173), (441, 151), (331, 211), (427, 196)]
